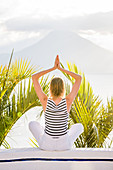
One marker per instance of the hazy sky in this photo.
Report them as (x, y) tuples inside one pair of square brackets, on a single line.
[(26, 20), (23, 22)]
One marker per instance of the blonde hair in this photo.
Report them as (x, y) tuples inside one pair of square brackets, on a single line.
[(57, 87)]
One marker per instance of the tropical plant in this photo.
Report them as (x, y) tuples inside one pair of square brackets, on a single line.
[(88, 109), (11, 108), (14, 104), (33, 142)]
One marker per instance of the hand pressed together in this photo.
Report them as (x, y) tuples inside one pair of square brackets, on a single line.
[(57, 62)]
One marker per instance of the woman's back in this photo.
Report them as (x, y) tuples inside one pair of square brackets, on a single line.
[(56, 118)]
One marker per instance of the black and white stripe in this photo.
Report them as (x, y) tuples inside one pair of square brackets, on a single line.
[(56, 118)]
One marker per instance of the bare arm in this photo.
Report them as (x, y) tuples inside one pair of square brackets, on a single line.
[(42, 96), (70, 97), (41, 73)]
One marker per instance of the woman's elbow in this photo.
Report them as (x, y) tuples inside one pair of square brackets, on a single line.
[(80, 78), (33, 77)]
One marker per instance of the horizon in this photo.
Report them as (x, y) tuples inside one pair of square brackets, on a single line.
[(28, 23)]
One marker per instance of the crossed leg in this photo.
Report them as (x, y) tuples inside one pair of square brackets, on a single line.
[(36, 129), (75, 131)]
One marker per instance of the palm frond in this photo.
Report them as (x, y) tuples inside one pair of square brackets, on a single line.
[(33, 142), (89, 110)]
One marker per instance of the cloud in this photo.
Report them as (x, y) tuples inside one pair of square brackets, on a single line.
[(32, 24), (99, 22)]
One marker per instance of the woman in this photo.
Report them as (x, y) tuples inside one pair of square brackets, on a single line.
[(55, 135)]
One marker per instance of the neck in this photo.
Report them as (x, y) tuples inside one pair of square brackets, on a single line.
[(55, 98)]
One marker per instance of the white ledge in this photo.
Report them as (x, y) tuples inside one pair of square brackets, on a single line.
[(36, 159), (76, 152)]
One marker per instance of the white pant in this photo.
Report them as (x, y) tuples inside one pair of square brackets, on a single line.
[(47, 142)]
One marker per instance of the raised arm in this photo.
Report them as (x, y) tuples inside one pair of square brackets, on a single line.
[(71, 96), (42, 96)]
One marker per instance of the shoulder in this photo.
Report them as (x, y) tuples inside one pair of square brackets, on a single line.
[(67, 99), (44, 102), (68, 103), (46, 98)]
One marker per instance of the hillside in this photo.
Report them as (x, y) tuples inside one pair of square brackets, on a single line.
[(88, 57)]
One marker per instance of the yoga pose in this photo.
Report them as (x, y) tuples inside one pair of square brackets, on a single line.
[(56, 107)]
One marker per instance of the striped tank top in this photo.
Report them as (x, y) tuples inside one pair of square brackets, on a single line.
[(56, 118)]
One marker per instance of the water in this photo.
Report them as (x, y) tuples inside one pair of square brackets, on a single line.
[(102, 85), (19, 135)]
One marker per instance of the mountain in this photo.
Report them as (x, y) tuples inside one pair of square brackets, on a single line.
[(71, 47)]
